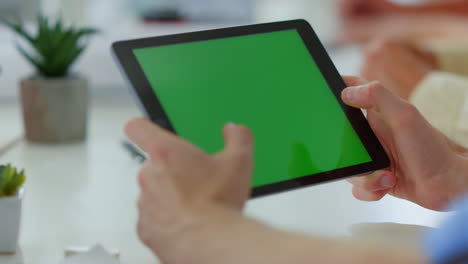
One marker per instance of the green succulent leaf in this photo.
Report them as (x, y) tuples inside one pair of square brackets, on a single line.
[(18, 28), (15, 183), (10, 180), (38, 64), (5, 178), (55, 47)]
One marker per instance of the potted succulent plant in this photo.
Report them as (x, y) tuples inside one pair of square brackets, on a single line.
[(11, 196), (54, 101)]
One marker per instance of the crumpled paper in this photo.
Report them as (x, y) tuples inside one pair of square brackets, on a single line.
[(96, 255)]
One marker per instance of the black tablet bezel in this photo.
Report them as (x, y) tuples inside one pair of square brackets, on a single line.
[(123, 51)]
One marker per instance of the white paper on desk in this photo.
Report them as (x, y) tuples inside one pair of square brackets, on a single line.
[(97, 255)]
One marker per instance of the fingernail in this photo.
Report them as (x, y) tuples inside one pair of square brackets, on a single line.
[(353, 92), (230, 124), (386, 182)]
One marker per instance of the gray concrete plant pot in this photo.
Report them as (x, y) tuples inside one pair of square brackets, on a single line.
[(10, 219), (55, 110)]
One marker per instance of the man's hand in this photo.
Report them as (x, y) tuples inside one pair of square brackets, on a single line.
[(181, 185), (397, 66), (426, 169), (190, 208)]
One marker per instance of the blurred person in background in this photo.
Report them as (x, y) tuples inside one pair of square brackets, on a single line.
[(434, 79), (191, 203), (364, 20)]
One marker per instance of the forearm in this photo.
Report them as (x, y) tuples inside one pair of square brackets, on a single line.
[(234, 239), (459, 7), (461, 185)]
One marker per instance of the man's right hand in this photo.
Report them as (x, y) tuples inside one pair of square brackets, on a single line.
[(425, 166)]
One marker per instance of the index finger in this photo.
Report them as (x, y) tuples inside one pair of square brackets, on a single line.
[(373, 96), (354, 80), (149, 136), (376, 181)]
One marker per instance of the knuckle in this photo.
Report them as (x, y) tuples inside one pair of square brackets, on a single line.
[(242, 156), (142, 179), (141, 232), (374, 88), (362, 195), (131, 124), (407, 115), (357, 193), (354, 80), (362, 183), (384, 44), (157, 152), (370, 57), (370, 185), (378, 48), (354, 181), (369, 182), (246, 134), (140, 204), (366, 70), (367, 196)]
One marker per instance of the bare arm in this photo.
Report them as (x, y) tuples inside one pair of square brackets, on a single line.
[(185, 220), (458, 7), (191, 202), (233, 238)]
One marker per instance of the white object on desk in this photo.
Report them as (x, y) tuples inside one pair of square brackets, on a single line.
[(72, 251), (97, 255)]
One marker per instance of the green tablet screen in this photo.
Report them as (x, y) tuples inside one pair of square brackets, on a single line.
[(268, 82)]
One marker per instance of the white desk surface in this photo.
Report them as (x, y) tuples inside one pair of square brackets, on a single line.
[(81, 194)]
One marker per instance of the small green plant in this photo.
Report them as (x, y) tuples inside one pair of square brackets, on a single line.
[(54, 46), (10, 180)]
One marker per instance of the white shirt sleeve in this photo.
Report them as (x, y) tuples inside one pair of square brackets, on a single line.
[(442, 98)]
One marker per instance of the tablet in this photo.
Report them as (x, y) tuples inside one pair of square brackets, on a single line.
[(274, 78)]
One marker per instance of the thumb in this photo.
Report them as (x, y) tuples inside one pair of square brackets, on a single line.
[(374, 97), (238, 140)]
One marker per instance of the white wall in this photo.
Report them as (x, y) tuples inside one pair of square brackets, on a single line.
[(322, 14), (97, 63)]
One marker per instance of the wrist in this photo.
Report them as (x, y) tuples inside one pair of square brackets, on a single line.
[(454, 181), (461, 180), (200, 231)]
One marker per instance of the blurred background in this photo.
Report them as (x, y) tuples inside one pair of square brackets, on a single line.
[(124, 19), (356, 34)]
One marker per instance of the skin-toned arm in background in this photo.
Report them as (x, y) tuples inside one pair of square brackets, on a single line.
[(191, 202), (456, 7), (364, 20), (356, 9), (399, 67)]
